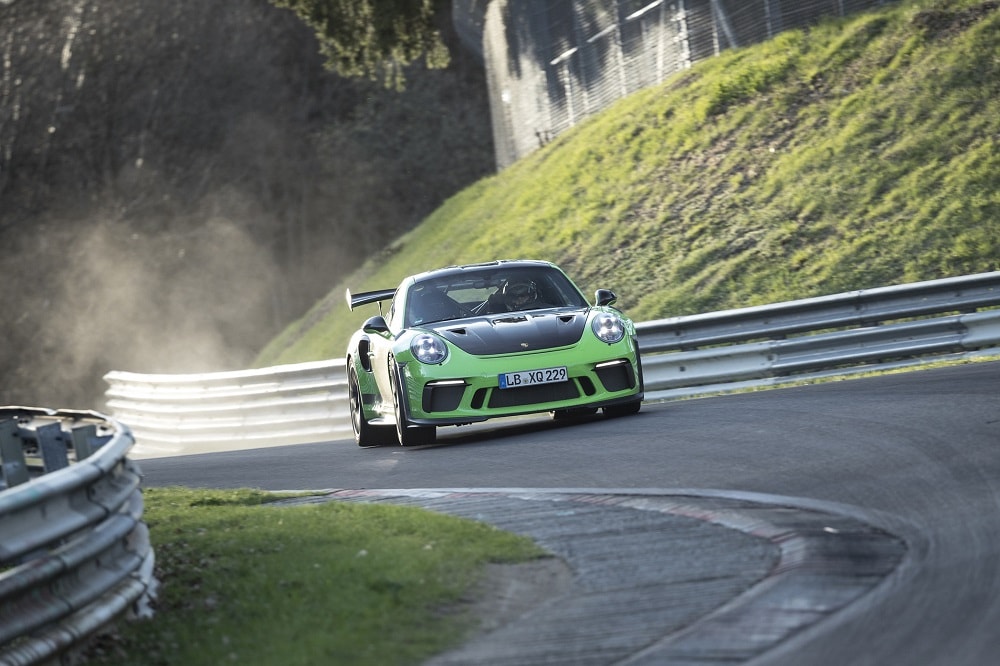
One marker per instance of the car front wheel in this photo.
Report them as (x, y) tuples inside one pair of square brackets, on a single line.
[(365, 434), (408, 434)]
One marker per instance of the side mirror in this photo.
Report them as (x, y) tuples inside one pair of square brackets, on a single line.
[(375, 325), (605, 297)]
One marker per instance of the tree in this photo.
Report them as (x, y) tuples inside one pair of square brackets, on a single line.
[(376, 39)]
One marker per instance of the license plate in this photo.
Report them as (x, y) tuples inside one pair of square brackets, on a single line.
[(533, 377)]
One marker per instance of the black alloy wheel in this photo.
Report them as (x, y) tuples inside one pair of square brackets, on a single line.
[(408, 434), (365, 434)]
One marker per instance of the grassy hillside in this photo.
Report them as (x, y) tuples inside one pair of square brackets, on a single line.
[(861, 153)]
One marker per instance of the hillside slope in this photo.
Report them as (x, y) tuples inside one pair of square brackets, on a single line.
[(860, 153)]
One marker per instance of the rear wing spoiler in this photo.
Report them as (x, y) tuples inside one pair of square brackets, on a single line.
[(366, 297)]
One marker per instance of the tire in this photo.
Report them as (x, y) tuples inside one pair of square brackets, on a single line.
[(365, 434), (406, 433)]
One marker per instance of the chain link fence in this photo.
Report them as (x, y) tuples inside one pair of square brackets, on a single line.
[(551, 64)]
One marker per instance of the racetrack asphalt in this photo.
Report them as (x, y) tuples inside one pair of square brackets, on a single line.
[(665, 577)]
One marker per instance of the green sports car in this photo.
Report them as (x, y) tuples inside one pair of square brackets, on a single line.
[(469, 343)]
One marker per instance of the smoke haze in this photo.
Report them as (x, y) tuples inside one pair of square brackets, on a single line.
[(179, 181)]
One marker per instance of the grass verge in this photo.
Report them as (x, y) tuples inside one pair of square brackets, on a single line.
[(328, 583)]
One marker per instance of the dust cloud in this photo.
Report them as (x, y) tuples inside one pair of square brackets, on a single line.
[(119, 299)]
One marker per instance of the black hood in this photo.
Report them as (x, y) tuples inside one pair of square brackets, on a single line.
[(515, 331)]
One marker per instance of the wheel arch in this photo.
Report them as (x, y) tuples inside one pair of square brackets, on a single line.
[(359, 354)]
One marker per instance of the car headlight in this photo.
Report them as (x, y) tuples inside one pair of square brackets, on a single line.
[(608, 327), (428, 348)]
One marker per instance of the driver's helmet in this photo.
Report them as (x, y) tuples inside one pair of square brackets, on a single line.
[(520, 294)]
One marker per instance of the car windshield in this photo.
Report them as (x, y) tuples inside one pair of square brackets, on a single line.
[(489, 291)]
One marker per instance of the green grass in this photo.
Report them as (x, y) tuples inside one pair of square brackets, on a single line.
[(860, 153), (330, 583)]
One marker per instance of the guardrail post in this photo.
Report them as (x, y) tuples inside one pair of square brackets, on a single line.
[(52, 444), (86, 441), (15, 471)]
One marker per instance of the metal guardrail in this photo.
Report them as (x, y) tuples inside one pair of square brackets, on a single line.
[(868, 328), (686, 355), (285, 404), (74, 552)]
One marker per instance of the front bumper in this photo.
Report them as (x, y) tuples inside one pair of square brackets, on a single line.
[(436, 395)]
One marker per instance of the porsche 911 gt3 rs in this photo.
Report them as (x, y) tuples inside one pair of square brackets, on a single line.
[(465, 344)]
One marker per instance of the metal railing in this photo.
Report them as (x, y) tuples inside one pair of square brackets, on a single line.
[(285, 404), (688, 355), (74, 552), (864, 329), (550, 65)]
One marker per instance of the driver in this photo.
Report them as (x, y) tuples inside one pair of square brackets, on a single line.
[(521, 295)]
